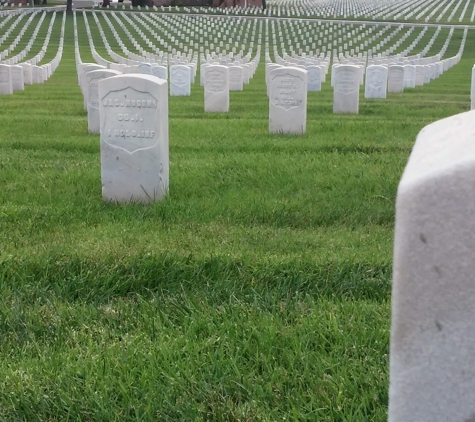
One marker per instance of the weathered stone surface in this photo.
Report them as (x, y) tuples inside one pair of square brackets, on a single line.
[(432, 359)]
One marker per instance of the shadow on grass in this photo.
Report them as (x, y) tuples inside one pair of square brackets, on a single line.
[(215, 279)]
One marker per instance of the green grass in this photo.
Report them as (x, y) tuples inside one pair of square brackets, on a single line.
[(258, 290)]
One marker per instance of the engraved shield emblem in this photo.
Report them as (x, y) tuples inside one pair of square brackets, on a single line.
[(287, 91), (215, 81), (129, 119), (347, 81), (180, 77)]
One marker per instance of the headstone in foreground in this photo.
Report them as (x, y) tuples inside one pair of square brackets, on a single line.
[(432, 359), (134, 138), (288, 100)]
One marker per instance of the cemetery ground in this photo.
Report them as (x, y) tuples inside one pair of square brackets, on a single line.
[(259, 289)]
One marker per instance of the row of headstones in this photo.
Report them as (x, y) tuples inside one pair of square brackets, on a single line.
[(240, 10), (15, 77), (216, 88), (32, 14), (413, 43), (181, 31), (15, 23), (429, 62), (117, 58), (238, 75), (365, 39), (378, 46), (190, 59), (356, 9), (23, 53), (287, 88)]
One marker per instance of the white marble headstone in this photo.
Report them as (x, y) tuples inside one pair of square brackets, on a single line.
[(314, 78), (6, 87), (432, 359), (134, 138), (287, 100), (376, 81), (236, 82), (216, 89), (180, 80), (92, 81), (27, 73), (396, 79), (17, 78), (420, 75), (409, 76), (160, 71), (346, 93)]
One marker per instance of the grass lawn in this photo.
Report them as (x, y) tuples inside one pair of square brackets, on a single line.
[(258, 290)]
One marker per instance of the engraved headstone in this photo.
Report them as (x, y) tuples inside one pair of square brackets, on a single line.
[(180, 80), (27, 73), (432, 359), (409, 76), (420, 75), (35, 74), (160, 71), (396, 79), (216, 89), (235, 78), (6, 87), (83, 69), (134, 138), (144, 68), (288, 100), (17, 78), (92, 82), (376, 81), (314, 78), (346, 93)]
